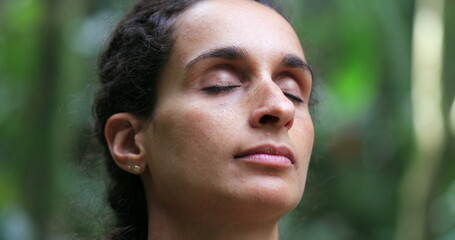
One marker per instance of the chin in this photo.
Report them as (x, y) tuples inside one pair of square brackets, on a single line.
[(274, 196)]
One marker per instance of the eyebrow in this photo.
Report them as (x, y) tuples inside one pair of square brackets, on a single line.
[(293, 61), (231, 53), (238, 53)]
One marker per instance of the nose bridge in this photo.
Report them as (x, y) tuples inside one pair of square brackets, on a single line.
[(272, 95), (271, 106)]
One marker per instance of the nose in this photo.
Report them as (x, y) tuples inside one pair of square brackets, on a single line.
[(271, 107)]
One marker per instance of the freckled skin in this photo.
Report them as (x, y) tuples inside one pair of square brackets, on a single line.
[(191, 142)]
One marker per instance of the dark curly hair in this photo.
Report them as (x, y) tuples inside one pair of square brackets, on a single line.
[(129, 70)]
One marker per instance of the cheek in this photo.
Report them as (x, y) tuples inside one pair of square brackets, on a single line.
[(188, 149), (187, 137), (302, 135)]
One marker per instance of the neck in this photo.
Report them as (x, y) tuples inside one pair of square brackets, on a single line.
[(166, 226)]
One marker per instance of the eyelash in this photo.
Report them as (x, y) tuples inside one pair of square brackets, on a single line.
[(220, 89), (293, 98)]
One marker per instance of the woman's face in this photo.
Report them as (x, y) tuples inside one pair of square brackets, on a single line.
[(231, 132)]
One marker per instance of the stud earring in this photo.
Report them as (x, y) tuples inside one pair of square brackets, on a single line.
[(134, 168)]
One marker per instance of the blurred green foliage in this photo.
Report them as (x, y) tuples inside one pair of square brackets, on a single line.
[(51, 180)]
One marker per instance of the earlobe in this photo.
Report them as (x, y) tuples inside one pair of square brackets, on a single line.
[(121, 133)]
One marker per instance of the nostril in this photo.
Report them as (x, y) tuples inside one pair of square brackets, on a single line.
[(268, 119)]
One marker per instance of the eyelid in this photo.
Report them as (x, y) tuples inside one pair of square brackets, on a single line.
[(293, 98), (297, 74), (288, 81), (213, 90), (222, 66), (302, 80), (221, 75), (198, 76)]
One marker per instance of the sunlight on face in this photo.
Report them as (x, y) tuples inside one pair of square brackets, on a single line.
[(231, 132)]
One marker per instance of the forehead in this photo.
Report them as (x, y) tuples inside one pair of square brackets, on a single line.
[(215, 24)]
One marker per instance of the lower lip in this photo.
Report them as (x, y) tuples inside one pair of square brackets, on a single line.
[(267, 160)]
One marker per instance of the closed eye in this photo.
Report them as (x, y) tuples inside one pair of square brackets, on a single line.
[(219, 89), (293, 98)]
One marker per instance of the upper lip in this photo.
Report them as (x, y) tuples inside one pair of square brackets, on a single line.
[(268, 149)]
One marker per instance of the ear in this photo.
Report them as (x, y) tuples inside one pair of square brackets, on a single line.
[(122, 132)]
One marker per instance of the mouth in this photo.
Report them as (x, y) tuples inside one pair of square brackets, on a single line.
[(267, 155)]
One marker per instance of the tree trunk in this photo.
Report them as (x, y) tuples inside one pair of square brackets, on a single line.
[(429, 132), (38, 154)]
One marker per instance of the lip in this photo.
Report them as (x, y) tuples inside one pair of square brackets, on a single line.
[(267, 155)]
